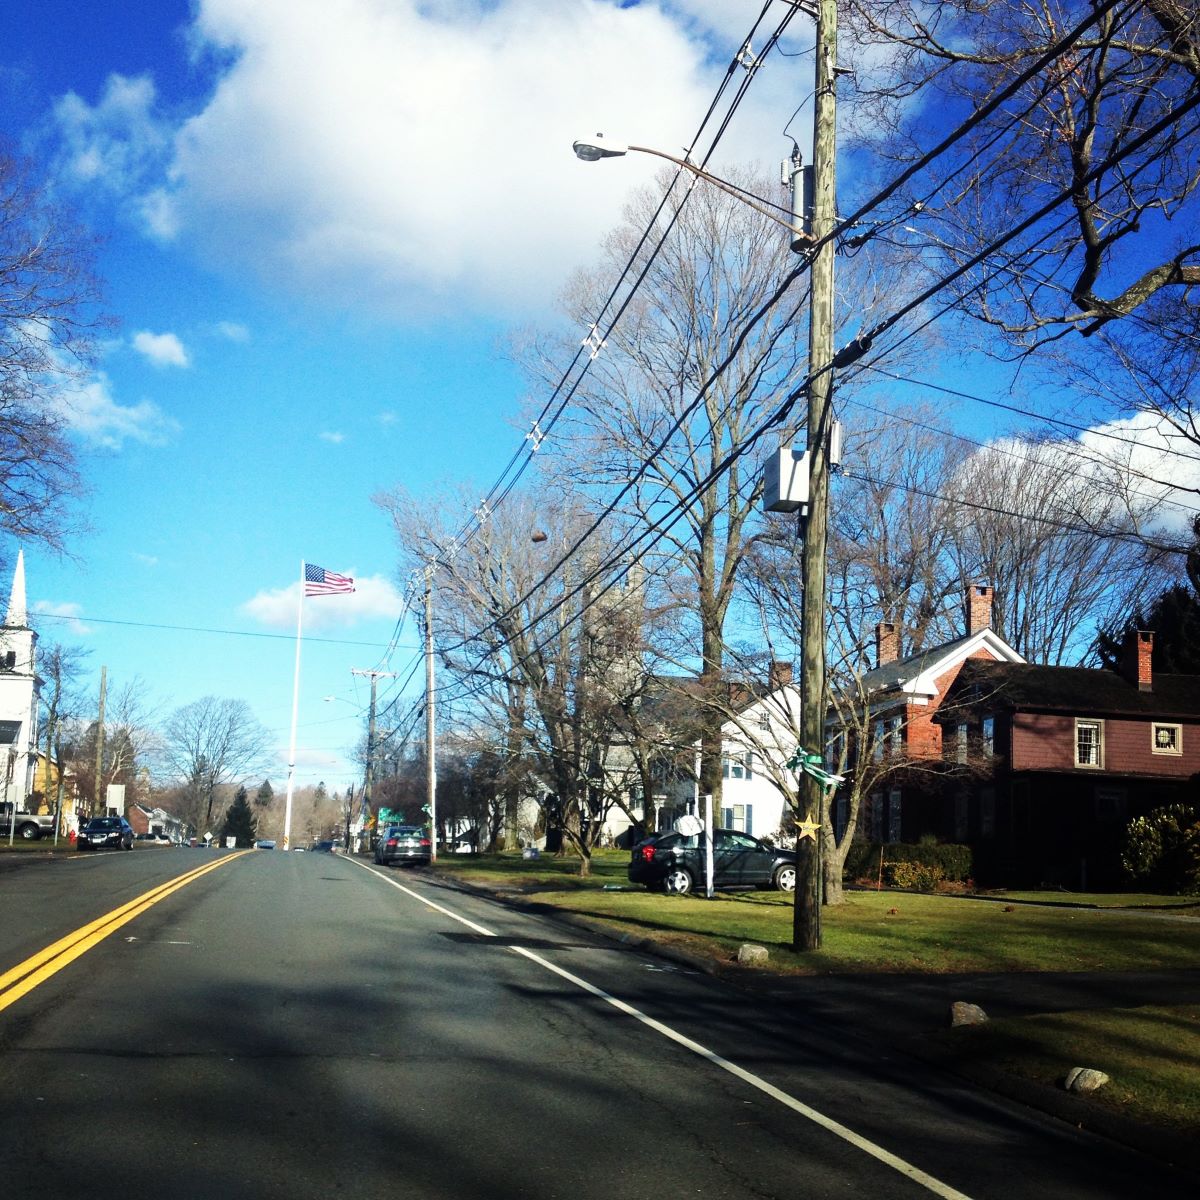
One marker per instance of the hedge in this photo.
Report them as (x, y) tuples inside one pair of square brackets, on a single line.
[(952, 861)]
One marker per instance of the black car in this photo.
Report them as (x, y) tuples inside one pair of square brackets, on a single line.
[(106, 833), (675, 862), (403, 843)]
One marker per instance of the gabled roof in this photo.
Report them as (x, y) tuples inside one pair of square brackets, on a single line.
[(918, 674), (1077, 690)]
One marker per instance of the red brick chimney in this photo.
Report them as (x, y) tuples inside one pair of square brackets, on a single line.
[(887, 643), (1135, 662), (979, 607), (779, 674)]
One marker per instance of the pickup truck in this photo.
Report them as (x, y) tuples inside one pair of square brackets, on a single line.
[(29, 826)]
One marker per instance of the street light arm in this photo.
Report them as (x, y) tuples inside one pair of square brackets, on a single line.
[(596, 148)]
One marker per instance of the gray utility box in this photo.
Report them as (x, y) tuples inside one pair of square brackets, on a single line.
[(785, 481)]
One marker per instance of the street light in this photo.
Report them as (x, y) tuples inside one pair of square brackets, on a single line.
[(595, 148)]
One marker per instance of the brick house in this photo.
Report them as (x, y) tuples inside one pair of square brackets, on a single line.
[(1070, 754), (899, 700)]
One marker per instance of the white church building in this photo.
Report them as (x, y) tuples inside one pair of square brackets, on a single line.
[(19, 687)]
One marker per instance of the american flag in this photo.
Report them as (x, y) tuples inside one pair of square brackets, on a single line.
[(320, 582)]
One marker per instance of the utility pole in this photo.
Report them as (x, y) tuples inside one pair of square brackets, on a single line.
[(806, 930), (430, 730), (99, 807), (368, 774)]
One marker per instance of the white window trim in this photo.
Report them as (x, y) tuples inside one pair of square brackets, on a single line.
[(1099, 725), (1174, 751)]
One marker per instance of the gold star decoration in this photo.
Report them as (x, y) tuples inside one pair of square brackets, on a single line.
[(807, 829)]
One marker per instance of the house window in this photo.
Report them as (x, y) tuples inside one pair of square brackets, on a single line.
[(737, 766), (987, 813), (764, 722), (1089, 744), (877, 748), (988, 740), (875, 817), (960, 742), (8, 732), (1166, 739), (893, 815), (739, 817)]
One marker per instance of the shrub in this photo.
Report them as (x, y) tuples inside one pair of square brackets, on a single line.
[(1162, 850), (923, 877), (862, 860)]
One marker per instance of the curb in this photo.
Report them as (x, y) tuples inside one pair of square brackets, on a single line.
[(1177, 1149)]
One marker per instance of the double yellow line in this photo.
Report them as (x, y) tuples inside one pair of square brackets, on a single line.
[(25, 976)]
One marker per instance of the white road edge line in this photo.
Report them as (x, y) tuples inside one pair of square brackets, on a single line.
[(936, 1186)]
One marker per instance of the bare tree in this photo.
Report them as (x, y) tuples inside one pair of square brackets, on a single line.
[(48, 328), (1078, 182), (61, 704), (1058, 538), (676, 388), (210, 742), (130, 744), (558, 650)]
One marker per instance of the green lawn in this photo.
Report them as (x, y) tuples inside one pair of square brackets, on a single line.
[(1152, 1054), (872, 931)]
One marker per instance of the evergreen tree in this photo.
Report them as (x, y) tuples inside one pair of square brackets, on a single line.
[(239, 821), (265, 794)]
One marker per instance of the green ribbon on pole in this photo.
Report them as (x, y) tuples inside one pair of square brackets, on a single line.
[(814, 765)]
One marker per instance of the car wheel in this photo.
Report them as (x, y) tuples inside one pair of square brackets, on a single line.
[(28, 832), (678, 881), (785, 879)]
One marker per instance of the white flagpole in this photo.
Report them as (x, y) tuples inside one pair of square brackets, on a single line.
[(287, 812)]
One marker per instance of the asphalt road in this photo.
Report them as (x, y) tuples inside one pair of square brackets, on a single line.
[(306, 1025)]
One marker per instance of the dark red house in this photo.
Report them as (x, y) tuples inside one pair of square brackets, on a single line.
[(1062, 758)]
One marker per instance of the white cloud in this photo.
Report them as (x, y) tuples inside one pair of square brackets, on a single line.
[(374, 597), (336, 438), (414, 158), (233, 331), (162, 349), (116, 144), (147, 560), (1159, 464), (63, 614), (96, 416)]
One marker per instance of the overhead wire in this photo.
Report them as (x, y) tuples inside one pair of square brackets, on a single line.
[(887, 325), (880, 196)]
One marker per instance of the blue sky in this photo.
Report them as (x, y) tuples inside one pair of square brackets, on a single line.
[(322, 219), (320, 223)]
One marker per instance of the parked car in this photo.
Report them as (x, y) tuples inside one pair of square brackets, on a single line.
[(101, 833), (265, 843), (675, 862), (403, 843), (323, 847)]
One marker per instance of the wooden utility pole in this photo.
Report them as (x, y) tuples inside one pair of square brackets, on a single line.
[(369, 772), (806, 931), (99, 807), (430, 726)]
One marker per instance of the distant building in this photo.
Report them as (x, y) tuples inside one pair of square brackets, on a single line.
[(19, 689)]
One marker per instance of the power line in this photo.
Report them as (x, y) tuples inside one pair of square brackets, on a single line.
[(246, 633)]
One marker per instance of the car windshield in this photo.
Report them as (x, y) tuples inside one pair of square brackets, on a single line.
[(105, 823)]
